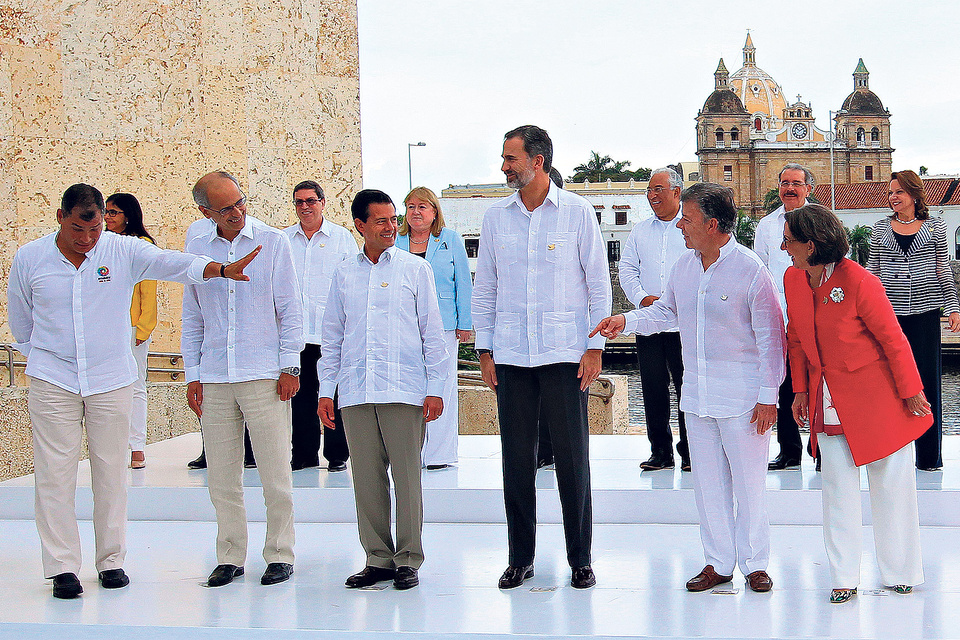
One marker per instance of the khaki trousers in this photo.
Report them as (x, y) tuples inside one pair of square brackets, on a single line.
[(57, 416), (226, 407), (896, 520), (382, 436)]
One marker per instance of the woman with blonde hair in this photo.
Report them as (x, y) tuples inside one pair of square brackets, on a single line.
[(423, 233)]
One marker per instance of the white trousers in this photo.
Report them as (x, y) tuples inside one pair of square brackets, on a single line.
[(896, 521), (729, 460), (56, 415), (440, 446), (138, 412), (225, 408)]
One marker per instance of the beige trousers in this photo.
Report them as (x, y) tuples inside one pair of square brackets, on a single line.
[(893, 501), (225, 409), (382, 436), (57, 416)]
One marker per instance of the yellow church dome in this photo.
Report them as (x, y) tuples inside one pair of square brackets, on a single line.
[(758, 91)]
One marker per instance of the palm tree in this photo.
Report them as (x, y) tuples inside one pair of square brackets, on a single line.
[(601, 168), (859, 239), (745, 230)]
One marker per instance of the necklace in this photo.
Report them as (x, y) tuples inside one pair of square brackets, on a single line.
[(898, 219), (424, 241)]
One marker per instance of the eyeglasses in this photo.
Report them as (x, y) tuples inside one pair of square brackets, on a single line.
[(112, 213), (658, 189), (236, 205), (310, 202), (796, 184), (787, 240)]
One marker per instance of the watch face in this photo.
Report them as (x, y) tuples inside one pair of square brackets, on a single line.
[(799, 131)]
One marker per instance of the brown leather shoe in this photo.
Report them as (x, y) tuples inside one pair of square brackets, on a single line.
[(759, 581), (706, 579)]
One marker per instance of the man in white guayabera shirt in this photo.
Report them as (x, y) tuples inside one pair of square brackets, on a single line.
[(731, 334), (384, 347), (542, 282), (241, 347), (68, 295)]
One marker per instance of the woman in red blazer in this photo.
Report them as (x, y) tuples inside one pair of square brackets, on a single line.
[(857, 385)]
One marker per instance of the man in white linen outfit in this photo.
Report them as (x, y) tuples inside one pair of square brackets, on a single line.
[(241, 349), (731, 334), (68, 296)]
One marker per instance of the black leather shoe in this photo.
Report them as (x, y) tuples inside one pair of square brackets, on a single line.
[(66, 586), (582, 578), (336, 465), (369, 577), (276, 573), (657, 461), (818, 464), (199, 463), (297, 465), (249, 463), (782, 462), (224, 574), (113, 579), (437, 467), (406, 578), (515, 576), (685, 464)]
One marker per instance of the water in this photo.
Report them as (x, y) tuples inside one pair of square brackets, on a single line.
[(950, 391)]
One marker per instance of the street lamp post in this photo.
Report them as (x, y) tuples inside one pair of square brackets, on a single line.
[(410, 145)]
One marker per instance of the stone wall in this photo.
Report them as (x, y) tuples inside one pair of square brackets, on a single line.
[(146, 96)]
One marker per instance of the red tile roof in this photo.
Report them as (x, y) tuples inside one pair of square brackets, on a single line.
[(873, 195)]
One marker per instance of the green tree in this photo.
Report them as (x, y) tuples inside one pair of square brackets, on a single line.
[(923, 170), (859, 238), (771, 200), (602, 168), (643, 173), (745, 229)]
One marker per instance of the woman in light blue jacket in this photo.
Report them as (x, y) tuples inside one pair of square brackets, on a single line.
[(423, 233)]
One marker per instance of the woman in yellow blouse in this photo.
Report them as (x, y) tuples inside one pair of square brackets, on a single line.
[(124, 216)]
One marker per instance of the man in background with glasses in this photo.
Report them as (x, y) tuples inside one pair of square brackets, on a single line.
[(318, 246), (241, 347), (795, 184)]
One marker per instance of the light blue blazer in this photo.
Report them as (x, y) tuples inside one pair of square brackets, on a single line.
[(451, 271)]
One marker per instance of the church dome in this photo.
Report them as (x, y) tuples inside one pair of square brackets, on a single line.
[(862, 101), (723, 101), (756, 88)]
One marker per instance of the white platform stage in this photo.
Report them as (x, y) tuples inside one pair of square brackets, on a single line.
[(646, 545)]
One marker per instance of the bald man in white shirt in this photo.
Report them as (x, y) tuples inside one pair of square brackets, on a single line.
[(68, 295)]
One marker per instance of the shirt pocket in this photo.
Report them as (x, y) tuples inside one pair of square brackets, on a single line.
[(560, 330), (507, 331), (560, 245), (508, 249)]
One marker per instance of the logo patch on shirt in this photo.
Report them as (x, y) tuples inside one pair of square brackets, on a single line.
[(103, 274)]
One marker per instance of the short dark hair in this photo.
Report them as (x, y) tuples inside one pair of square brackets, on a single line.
[(83, 196), (536, 142), (310, 184), (360, 207), (817, 224), (128, 203), (715, 201)]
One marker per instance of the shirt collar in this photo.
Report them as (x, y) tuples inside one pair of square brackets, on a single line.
[(553, 197), (386, 255), (246, 232), (326, 228)]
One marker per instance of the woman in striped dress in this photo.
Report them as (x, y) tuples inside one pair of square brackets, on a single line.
[(908, 252)]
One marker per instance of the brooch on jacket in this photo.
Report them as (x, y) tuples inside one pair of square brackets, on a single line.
[(836, 295)]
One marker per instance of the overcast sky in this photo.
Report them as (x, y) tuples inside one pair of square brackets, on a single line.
[(626, 78)]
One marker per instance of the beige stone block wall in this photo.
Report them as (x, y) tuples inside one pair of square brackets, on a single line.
[(145, 97)]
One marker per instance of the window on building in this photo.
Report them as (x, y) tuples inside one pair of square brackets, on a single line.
[(875, 135), (757, 123), (734, 134), (613, 250), (719, 137), (621, 216), (868, 173), (599, 216), (728, 172), (472, 246), (861, 134)]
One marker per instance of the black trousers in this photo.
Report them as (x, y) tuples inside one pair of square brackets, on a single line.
[(306, 423), (522, 393), (923, 334), (788, 431), (659, 359)]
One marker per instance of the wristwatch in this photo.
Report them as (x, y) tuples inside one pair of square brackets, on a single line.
[(480, 352), (292, 371)]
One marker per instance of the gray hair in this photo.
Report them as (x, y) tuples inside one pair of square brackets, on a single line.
[(715, 201), (200, 189), (676, 180), (807, 174)]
